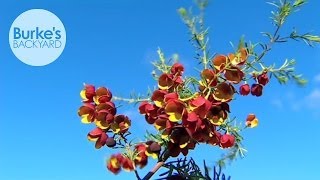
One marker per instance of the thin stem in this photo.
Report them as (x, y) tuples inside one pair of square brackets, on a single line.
[(157, 166), (137, 174), (130, 100)]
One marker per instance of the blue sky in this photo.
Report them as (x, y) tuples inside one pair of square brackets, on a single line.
[(111, 43)]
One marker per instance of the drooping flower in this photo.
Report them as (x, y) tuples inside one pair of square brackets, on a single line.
[(252, 121), (180, 142), (99, 136), (162, 122), (87, 113), (227, 140), (171, 96), (121, 124), (141, 159), (103, 95), (144, 107), (127, 164), (214, 138), (165, 81), (175, 149), (200, 106), (244, 89), (150, 111), (175, 109), (256, 89), (224, 92), (210, 77), (114, 163), (105, 113), (234, 74), (218, 113), (220, 62), (193, 123), (158, 97), (263, 79), (153, 149), (177, 69), (88, 93)]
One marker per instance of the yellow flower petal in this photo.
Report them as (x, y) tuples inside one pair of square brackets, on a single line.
[(83, 95), (183, 145), (158, 103), (92, 138), (102, 124), (85, 119), (174, 117), (115, 127), (153, 155), (216, 122), (253, 123)]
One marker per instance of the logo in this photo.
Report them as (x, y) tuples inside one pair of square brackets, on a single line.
[(37, 37)]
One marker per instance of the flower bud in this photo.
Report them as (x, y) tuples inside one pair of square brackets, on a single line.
[(227, 141), (256, 89), (110, 142), (155, 147), (263, 79), (244, 89)]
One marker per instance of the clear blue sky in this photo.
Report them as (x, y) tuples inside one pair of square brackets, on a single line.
[(111, 43)]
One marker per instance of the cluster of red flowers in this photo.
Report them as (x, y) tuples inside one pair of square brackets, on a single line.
[(186, 121), (183, 117), (139, 157), (99, 109)]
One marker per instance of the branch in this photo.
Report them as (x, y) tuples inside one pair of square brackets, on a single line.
[(157, 166)]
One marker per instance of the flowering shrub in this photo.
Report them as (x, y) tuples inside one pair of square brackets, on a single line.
[(185, 110)]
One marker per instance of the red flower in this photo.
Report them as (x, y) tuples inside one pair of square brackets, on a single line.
[(175, 109), (114, 163), (141, 158), (127, 164), (171, 96), (103, 95), (88, 93), (193, 123), (105, 113), (214, 138), (165, 81), (150, 111), (87, 113), (121, 124), (227, 141), (224, 92), (180, 142), (256, 89), (234, 75), (252, 121), (162, 122), (218, 113), (99, 136), (210, 77), (263, 79), (158, 97), (220, 62), (244, 89), (146, 107), (200, 106), (177, 69)]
